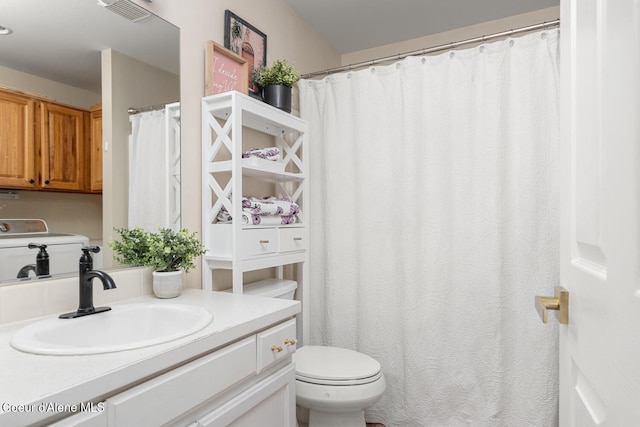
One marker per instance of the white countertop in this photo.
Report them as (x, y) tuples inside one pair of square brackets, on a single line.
[(28, 379)]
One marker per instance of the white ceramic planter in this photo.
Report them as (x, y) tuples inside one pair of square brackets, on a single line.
[(167, 284)]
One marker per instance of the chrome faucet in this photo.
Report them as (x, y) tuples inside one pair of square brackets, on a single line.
[(86, 276)]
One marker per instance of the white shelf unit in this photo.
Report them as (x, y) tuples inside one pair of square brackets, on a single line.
[(243, 247)]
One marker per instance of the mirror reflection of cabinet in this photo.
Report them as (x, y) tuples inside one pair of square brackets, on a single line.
[(62, 141), (17, 136), (48, 146), (82, 68), (94, 159)]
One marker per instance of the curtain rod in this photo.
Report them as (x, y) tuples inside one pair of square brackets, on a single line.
[(136, 110), (453, 45)]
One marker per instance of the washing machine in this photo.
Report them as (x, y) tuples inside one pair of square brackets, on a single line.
[(15, 236)]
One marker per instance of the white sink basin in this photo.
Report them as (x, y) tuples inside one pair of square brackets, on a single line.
[(125, 327)]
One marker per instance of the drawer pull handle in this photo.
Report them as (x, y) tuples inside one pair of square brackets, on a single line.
[(289, 342), (297, 238), (274, 348), (264, 241)]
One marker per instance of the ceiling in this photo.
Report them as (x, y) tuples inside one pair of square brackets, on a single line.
[(62, 39)]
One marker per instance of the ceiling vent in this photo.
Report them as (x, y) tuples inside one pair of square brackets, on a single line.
[(126, 9)]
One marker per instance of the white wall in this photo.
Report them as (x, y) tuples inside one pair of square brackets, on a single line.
[(55, 91)]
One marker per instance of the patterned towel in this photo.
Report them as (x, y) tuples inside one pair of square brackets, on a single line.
[(269, 206), (268, 219), (270, 153), (225, 218)]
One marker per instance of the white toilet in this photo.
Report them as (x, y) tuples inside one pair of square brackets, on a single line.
[(334, 385)]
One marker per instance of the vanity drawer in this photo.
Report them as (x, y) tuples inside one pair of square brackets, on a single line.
[(84, 419), (183, 388), (293, 239), (259, 241), (276, 343)]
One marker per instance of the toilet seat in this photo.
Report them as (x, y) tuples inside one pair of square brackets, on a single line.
[(335, 366)]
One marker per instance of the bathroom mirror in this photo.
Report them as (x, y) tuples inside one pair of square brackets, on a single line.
[(82, 48)]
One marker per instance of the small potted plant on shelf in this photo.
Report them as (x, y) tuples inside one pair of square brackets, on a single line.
[(276, 82), (170, 253)]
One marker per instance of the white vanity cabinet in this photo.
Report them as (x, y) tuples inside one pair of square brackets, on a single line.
[(84, 419), (232, 123), (269, 403), (248, 383), (233, 371)]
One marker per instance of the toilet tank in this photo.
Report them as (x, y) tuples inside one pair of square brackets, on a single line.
[(275, 288)]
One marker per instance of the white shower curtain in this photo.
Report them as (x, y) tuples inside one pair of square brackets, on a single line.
[(434, 222), (148, 171)]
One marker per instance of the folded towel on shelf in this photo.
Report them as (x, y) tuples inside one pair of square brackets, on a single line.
[(268, 219), (269, 153), (224, 217), (270, 206)]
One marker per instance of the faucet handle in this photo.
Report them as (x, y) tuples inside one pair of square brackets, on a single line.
[(86, 261)]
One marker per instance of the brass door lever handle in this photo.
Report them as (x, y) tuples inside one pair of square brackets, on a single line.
[(559, 302)]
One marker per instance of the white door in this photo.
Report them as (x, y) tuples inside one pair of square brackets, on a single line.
[(600, 217)]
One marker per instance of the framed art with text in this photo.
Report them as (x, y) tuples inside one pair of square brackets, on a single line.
[(247, 41), (224, 71)]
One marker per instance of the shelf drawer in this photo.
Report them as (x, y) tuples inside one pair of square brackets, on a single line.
[(260, 241), (182, 389), (293, 239), (276, 343)]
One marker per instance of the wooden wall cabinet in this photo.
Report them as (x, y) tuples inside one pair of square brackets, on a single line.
[(94, 157), (17, 141), (48, 146), (62, 143)]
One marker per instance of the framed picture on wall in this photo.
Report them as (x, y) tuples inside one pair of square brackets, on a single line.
[(247, 41), (224, 70)]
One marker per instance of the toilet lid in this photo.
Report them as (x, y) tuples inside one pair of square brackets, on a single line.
[(335, 366)]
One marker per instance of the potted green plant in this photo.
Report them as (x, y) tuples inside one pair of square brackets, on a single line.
[(170, 253), (276, 82)]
